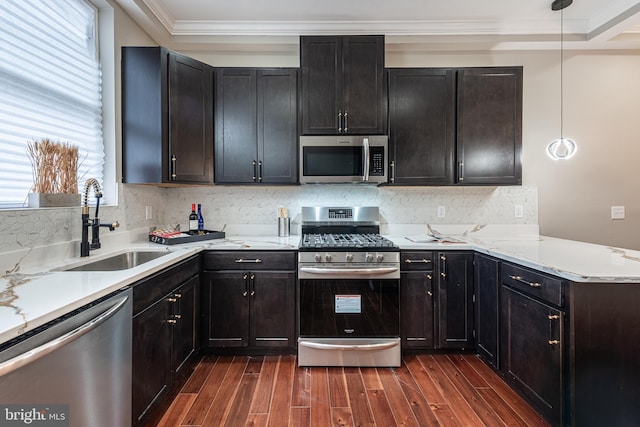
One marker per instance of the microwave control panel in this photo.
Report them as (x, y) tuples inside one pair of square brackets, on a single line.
[(376, 167)]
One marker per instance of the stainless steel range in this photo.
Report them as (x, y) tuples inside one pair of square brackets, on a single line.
[(349, 289)]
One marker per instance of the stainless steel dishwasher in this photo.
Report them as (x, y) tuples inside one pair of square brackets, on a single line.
[(82, 361)]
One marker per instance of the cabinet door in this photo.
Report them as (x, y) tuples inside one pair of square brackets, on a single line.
[(190, 120), (416, 309), (272, 296), (489, 126), (186, 316), (321, 68), (487, 284), (422, 126), (151, 357), (364, 86), (455, 300), (236, 155), (277, 125), (531, 351), (226, 307)]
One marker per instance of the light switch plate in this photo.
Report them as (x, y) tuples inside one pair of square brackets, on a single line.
[(617, 212), (148, 212), (518, 211), (442, 211)]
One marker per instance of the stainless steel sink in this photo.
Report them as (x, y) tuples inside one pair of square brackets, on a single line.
[(121, 261)]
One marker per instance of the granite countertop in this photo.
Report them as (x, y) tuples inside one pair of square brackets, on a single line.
[(31, 294)]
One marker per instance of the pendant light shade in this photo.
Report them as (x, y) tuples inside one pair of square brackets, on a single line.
[(562, 148)]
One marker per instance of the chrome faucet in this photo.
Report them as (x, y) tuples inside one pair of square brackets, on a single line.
[(85, 246)]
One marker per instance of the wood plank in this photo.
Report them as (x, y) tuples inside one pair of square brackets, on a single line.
[(178, 409), (280, 404), (485, 413), (382, 413), (425, 382), (242, 401), (257, 420), (209, 390), (505, 392), (358, 401), (320, 407), (341, 417), (399, 404), (254, 365), (199, 375), (445, 415), (371, 378), (300, 417), (504, 411), (301, 387), (222, 402), (419, 405), (264, 388), (474, 378), (337, 388), (463, 411)]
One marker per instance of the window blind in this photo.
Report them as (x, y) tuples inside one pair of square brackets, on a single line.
[(50, 87)]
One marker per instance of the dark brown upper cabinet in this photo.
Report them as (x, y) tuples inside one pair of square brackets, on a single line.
[(167, 118), (256, 126), (343, 85), (489, 127), (455, 126), (422, 126)]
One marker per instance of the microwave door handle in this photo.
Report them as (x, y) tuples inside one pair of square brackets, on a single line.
[(365, 145)]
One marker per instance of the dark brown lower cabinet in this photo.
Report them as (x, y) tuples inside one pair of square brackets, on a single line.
[(249, 300), (486, 271), (455, 300), (416, 303), (165, 336)]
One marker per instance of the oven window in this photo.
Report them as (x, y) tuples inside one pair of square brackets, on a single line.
[(332, 161), (363, 308)]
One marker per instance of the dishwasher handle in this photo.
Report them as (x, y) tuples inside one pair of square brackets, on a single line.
[(39, 352)]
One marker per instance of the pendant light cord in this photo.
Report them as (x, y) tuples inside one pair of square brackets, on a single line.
[(561, 73)]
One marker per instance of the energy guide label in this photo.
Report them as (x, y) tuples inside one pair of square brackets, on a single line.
[(348, 304)]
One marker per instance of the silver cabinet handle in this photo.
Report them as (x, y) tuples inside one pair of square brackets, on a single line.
[(521, 280), (260, 171), (248, 261), (255, 170), (461, 170), (421, 261), (346, 126), (340, 121), (392, 166), (51, 346), (173, 166), (443, 272)]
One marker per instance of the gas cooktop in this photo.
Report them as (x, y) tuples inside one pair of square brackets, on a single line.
[(344, 241)]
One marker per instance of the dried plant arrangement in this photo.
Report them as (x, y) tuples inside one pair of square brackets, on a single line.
[(54, 166)]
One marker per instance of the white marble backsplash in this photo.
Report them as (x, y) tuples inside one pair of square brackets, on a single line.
[(235, 206)]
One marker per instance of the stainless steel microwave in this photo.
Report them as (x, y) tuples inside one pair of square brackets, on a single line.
[(341, 159)]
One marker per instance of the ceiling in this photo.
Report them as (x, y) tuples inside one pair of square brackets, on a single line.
[(407, 24)]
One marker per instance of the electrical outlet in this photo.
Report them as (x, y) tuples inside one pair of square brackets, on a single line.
[(442, 212), (617, 212), (148, 212), (518, 211)]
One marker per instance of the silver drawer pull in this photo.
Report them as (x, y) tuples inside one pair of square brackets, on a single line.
[(521, 280), (250, 261), (554, 342), (421, 261)]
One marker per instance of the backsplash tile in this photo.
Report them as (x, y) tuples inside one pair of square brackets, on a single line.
[(257, 205)]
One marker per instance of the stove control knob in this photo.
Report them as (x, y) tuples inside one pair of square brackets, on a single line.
[(318, 257), (368, 257), (349, 257), (327, 257), (379, 257)]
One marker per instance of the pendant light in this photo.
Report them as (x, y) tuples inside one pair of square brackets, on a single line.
[(562, 148)]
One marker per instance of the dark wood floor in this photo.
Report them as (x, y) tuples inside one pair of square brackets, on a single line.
[(427, 390)]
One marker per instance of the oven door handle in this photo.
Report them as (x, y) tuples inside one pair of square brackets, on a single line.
[(325, 346), (349, 271)]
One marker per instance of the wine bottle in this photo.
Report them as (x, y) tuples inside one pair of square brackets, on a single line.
[(200, 218), (193, 220)]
